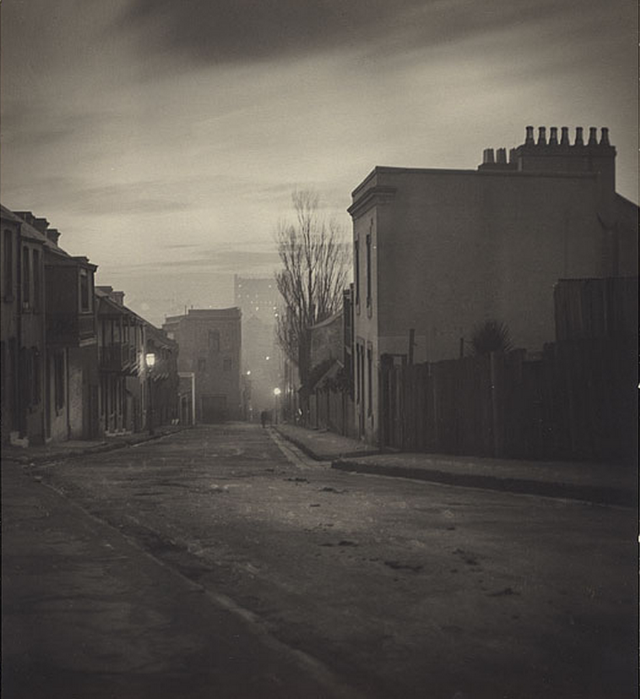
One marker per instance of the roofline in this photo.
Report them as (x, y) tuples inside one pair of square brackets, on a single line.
[(389, 170)]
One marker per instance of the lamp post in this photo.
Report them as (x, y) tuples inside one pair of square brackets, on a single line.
[(276, 393), (150, 359)]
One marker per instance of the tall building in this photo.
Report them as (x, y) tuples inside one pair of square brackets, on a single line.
[(210, 347), (260, 301), (436, 252)]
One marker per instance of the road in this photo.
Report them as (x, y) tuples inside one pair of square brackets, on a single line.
[(397, 588)]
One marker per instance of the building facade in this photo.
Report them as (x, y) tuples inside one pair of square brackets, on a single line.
[(22, 330), (72, 354), (436, 252), (210, 348), (48, 334)]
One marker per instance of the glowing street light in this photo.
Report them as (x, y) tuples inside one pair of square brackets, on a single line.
[(276, 393), (150, 360)]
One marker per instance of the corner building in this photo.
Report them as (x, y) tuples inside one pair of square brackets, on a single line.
[(437, 252)]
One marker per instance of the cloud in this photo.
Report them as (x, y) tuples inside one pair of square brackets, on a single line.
[(232, 31), (215, 260)]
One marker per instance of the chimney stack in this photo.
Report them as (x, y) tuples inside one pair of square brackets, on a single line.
[(579, 141), (604, 138), (553, 136), (528, 141), (488, 156), (593, 137), (542, 136), (53, 234), (564, 138), (501, 156)]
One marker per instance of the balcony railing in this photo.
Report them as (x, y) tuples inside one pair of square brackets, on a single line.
[(120, 358), (70, 329)]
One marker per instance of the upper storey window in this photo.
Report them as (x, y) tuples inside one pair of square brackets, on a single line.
[(8, 264), (26, 277), (356, 272), (85, 291), (368, 270), (214, 341)]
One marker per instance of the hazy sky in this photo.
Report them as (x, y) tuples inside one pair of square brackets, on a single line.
[(164, 137)]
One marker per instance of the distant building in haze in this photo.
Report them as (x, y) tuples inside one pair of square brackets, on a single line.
[(260, 301), (210, 348)]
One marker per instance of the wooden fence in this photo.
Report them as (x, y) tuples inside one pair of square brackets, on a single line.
[(332, 410), (576, 402)]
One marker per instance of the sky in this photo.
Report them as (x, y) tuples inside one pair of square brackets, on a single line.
[(164, 138)]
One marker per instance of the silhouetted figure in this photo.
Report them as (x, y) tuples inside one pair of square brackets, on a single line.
[(264, 415)]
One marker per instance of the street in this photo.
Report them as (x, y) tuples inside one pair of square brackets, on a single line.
[(386, 587)]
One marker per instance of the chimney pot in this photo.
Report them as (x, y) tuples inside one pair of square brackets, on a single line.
[(564, 138), (529, 138), (542, 136), (553, 136), (488, 156), (579, 141), (593, 138), (604, 138), (501, 156)]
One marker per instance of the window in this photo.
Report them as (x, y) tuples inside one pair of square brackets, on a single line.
[(37, 280), (202, 364), (8, 264), (58, 379), (85, 296), (356, 265), (368, 270), (26, 277), (214, 341), (4, 368), (36, 375), (370, 381), (226, 364)]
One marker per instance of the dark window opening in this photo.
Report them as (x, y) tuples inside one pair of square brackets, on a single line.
[(370, 382), (85, 296), (202, 364), (226, 364), (58, 377), (4, 368), (36, 377), (214, 341), (26, 277), (37, 280), (8, 264), (356, 264), (368, 269)]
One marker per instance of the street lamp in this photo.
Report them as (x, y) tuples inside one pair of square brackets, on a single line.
[(150, 360), (276, 393)]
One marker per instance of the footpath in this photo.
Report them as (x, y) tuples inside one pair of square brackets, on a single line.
[(55, 451), (608, 484)]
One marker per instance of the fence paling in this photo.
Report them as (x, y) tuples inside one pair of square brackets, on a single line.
[(575, 402)]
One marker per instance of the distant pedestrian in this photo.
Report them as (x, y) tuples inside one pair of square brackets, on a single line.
[(263, 418)]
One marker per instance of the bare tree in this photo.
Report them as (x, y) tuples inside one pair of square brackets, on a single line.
[(491, 336), (314, 272)]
